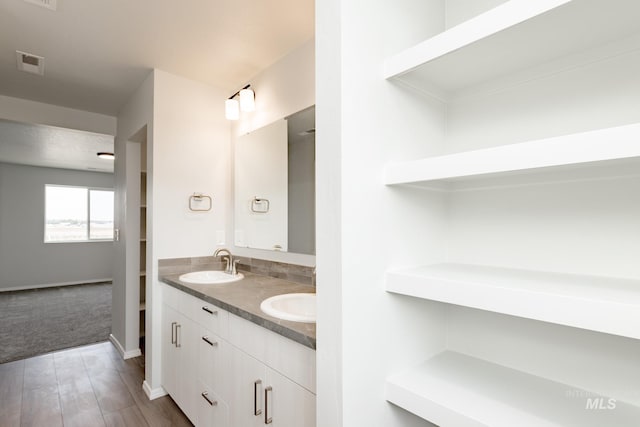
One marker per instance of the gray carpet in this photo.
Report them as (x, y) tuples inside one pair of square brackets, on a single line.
[(39, 321)]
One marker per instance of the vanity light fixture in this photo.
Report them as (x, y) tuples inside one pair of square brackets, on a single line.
[(247, 99), (232, 109), (106, 155), (247, 102)]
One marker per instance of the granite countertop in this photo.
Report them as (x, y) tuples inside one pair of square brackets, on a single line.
[(243, 299)]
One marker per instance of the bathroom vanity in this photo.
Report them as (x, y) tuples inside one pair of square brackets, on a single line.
[(226, 363)]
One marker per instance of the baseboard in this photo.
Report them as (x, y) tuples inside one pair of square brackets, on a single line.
[(153, 393), (125, 354), (55, 285)]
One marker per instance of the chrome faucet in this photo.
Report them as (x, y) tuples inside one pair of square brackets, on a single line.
[(231, 267)]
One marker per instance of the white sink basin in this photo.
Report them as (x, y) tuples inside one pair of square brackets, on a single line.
[(295, 307), (209, 277)]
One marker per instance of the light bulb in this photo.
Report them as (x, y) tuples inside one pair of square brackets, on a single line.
[(247, 100), (231, 109)]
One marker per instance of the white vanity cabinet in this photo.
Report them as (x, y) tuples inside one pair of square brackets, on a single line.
[(223, 370)]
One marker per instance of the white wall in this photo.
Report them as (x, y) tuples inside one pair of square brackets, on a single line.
[(25, 260), (329, 335), (190, 153), (284, 88), (458, 11), (135, 117), (363, 228)]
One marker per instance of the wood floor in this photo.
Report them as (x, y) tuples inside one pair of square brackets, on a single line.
[(85, 386)]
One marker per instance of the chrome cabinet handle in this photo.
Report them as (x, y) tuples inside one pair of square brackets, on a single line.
[(211, 343), (208, 310), (173, 332), (267, 418), (206, 397), (178, 328), (256, 411)]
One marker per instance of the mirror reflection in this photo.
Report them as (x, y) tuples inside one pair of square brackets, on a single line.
[(275, 186)]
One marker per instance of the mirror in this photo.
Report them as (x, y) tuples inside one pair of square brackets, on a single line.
[(275, 186)]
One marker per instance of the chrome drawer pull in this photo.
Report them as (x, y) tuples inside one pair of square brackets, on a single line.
[(211, 402), (211, 343), (267, 418), (173, 332), (208, 310), (256, 411)]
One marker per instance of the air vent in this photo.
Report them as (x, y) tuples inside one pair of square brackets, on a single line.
[(30, 63), (49, 4)]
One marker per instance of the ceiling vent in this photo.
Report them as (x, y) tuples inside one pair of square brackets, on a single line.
[(30, 63), (49, 4)]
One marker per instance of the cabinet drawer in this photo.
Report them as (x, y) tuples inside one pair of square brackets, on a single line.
[(213, 362), (213, 411), (207, 315)]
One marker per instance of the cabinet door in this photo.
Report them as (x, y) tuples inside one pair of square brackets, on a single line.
[(169, 359), (247, 390), (286, 403), (187, 358)]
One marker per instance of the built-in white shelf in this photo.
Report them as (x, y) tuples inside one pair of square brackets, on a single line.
[(603, 304), (143, 273), (143, 306), (598, 147), (515, 35), (455, 390)]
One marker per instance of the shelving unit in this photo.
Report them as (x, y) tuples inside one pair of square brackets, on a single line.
[(584, 149), (540, 230), (603, 304), (516, 35), (143, 240), (453, 389)]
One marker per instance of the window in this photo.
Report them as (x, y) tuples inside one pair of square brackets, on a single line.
[(77, 214)]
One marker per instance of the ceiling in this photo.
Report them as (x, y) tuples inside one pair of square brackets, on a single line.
[(97, 53), (49, 146)]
